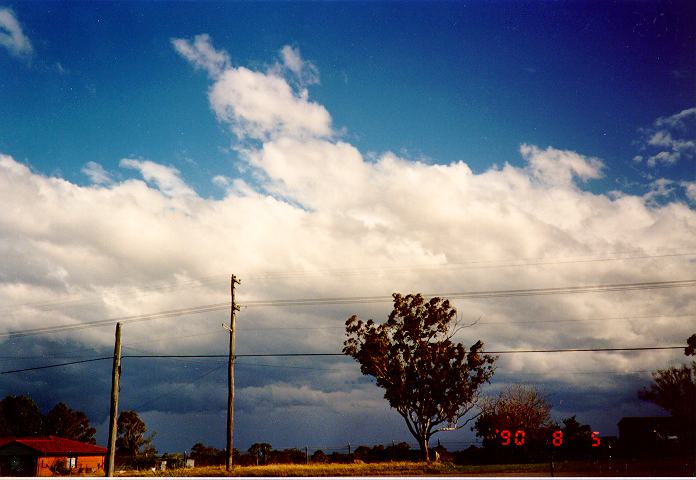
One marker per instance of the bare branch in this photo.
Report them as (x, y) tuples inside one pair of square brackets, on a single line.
[(457, 328)]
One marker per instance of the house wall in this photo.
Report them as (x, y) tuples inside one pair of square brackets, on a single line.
[(84, 465)]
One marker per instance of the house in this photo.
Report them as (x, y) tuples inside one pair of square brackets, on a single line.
[(47, 456)]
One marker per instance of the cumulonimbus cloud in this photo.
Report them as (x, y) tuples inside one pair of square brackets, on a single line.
[(326, 221)]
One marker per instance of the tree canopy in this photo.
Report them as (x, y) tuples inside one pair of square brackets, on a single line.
[(517, 407), (428, 379), (131, 441), (21, 417), (577, 438), (65, 422), (206, 455), (260, 451), (690, 346), (674, 389)]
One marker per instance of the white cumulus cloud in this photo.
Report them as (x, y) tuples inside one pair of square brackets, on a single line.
[(304, 71), (690, 188), (255, 104), (559, 167), (167, 179), (201, 53), (262, 106), (670, 139), (96, 173)]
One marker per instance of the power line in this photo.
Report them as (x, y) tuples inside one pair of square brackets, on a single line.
[(619, 287), (576, 372), (358, 300), (57, 365), (128, 319), (298, 367), (211, 280), (567, 350), (143, 405), (342, 328), (320, 354), (476, 324), (328, 354), (467, 265)]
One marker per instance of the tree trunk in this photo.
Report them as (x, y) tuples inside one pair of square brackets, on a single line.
[(425, 451)]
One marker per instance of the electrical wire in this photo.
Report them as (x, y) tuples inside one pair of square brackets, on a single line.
[(318, 354), (127, 319), (620, 287), (467, 265), (212, 280), (199, 309), (57, 365), (476, 324)]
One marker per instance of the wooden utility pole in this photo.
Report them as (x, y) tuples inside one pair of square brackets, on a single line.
[(230, 375), (113, 413)]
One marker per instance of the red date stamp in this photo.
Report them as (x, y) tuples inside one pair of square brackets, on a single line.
[(507, 438)]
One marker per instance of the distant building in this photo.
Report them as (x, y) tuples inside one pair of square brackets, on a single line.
[(638, 434), (48, 456)]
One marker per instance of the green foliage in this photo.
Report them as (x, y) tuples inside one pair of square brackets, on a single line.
[(131, 443), (260, 451), (674, 389), (518, 407), (288, 455), (319, 457), (430, 380), (690, 346), (174, 460), (20, 417), (204, 455), (64, 422), (379, 453), (577, 438)]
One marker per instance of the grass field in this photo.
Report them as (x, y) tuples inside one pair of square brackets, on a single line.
[(575, 468), (340, 469)]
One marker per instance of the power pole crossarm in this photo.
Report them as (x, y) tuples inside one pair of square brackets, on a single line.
[(230, 375)]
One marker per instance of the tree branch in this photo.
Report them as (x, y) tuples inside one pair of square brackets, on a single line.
[(411, 428)]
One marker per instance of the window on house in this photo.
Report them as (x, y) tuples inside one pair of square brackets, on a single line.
[(71, 462)]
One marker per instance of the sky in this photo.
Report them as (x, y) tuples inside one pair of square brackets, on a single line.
[(331, 150)]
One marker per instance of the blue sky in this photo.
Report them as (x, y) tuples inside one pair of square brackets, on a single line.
[(442, 81), (148, 150)]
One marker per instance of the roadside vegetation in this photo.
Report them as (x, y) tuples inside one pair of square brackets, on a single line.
[(617, 468)]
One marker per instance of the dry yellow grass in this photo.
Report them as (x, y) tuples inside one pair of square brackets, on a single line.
[(676, 466), (338, 470), (311, 470)]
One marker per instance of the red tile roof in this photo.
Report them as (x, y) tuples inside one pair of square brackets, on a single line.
[(55, 445)]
